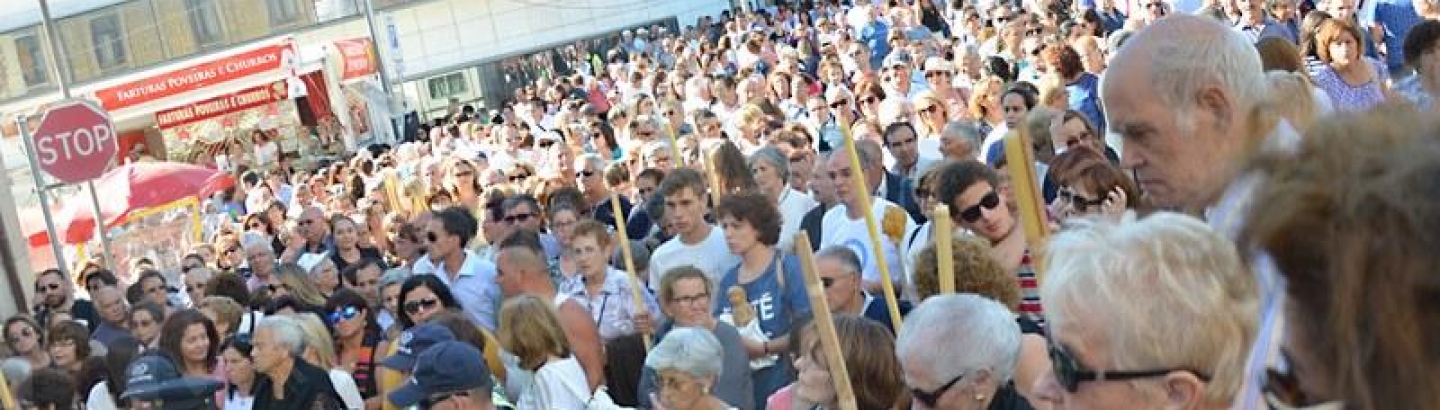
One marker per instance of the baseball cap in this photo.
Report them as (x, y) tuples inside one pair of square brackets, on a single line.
[(446, 367), (153, 377), (415, 341), (938, 64), (896, 58)]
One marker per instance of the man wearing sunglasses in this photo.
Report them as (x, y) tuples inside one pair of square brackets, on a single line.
[(977, 203), (959, 351), (839, 271), (1156, 313), (588, 175), (470, 277), (57, 295)]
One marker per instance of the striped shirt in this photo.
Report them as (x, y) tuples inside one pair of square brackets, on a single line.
[(1029, 290)]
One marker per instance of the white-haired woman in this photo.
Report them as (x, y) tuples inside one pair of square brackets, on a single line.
[(958, 351), (1157, 313), (686, 365), (772, 175)]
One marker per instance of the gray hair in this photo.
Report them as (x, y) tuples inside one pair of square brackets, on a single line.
[(1169, 271), (1190, 52), (964, 130), (590, 160), (978, 334), (393, 277), (772, 155), (867, 149), (287, 331), (694, 351), (842, 254)]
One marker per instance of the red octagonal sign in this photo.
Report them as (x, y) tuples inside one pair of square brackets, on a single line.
[(75, 141)]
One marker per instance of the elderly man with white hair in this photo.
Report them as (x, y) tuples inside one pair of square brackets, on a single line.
[(259, 258), (1157, 313), (1187, 124), (959, 351), (290, 382)]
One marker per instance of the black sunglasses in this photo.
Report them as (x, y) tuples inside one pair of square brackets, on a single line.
[(972, 214), (1069, 373), (1080, 203), (433, 237), (839, 104), (510, 219), (518, 178), (931, 397), (52, 286), (584, 174), (414, 306)]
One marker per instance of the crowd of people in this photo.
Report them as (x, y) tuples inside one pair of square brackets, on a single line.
[(1256, 233)]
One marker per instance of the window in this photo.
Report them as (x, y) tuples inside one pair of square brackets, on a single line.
[(448, 85), (32, 60), (283, 12), (204, 22), (108, 40)]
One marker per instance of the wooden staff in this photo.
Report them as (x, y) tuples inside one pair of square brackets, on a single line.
[(861, 188), (1024, 184), (392, 191), (825, 325), (715, 189), (944, 238), (675, 146), (624, 242), (6, 399)]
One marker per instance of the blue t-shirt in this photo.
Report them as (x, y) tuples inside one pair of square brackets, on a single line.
[(777, 307), (1085, 98)]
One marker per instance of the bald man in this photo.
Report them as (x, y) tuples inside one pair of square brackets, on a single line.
[(1187, 149), (522, 270)]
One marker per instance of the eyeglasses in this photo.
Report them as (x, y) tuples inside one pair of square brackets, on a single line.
[(197, 287), (931, 397), (277, 287), (432, 237), (345, 313), (1080, 203), (1069, 373), (52, 286), (933, 74), (435, 400), (415, 306), (692, 299), (25, 333), (518, 178), (931, 109), (869, 100), (546, 143), (972, 214), (645, 191), (522, 217), (584, 174), (1282, 387), (840, 104)]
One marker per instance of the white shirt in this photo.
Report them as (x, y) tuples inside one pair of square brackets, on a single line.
[(711, 256), (793, 206), (474, 287), (838, 229), (99, 398), (345, 387), (559, 384)]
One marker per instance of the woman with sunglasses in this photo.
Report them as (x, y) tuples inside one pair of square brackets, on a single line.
[(292, 280), (240, 375), (958, 351), (357, 340), (26, 342), (868, 349), (1090, 185), (462, 181)]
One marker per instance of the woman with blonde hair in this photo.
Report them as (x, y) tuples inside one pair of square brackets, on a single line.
[(291, 280), (530, 329), (462, 181), (932, 114), (985, 104), (868, 350), (1292, 98), (320, 352)]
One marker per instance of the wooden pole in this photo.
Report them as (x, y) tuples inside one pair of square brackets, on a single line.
[(675, 146), (624, 242), (825, 325), (857, 175), (1024, 184), (715, 190), (944, 243), (6, 398)]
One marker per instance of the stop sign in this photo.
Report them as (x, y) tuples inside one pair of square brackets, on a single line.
[(75, 141)]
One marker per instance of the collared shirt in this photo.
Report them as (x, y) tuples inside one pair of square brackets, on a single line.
[(1414, 91), (1266, 28), (613, 307), (474, 287), (307, 388)]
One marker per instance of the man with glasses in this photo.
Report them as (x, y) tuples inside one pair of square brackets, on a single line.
[(57, 295), (522, 213), (260, 258), (314, 232), (959, 351), (1186, 284), (977, 203), (839, 271), (589, 168), (470, 277)]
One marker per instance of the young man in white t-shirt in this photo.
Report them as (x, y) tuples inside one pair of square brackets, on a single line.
[(696, 243), (844, 225)]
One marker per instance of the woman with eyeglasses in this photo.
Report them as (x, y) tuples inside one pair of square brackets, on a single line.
[(686, 369), (348, 249), (145, 321), (685, 295), (562, 218), (26, 342), (868, 349), (421, 297), (958, 351), (240, 375), (357, 340), (69, 345)]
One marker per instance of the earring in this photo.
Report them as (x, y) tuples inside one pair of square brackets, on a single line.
[(979, 397)]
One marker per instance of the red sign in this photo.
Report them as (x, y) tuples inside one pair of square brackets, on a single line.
[(75, 142), (357, 56), (261, 60), (240, 100)]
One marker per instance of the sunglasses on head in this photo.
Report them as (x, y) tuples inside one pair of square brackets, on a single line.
[(414, 306), (345, 313), (1069, 373), (930, 398), (973, 213)]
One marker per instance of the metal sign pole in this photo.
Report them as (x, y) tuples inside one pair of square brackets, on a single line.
[(40, 190), (62, 81)]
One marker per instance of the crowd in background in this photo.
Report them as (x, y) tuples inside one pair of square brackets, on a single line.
[(1242, 196)]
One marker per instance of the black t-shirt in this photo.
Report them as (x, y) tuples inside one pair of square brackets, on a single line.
[(372, 253), (308, 388)]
